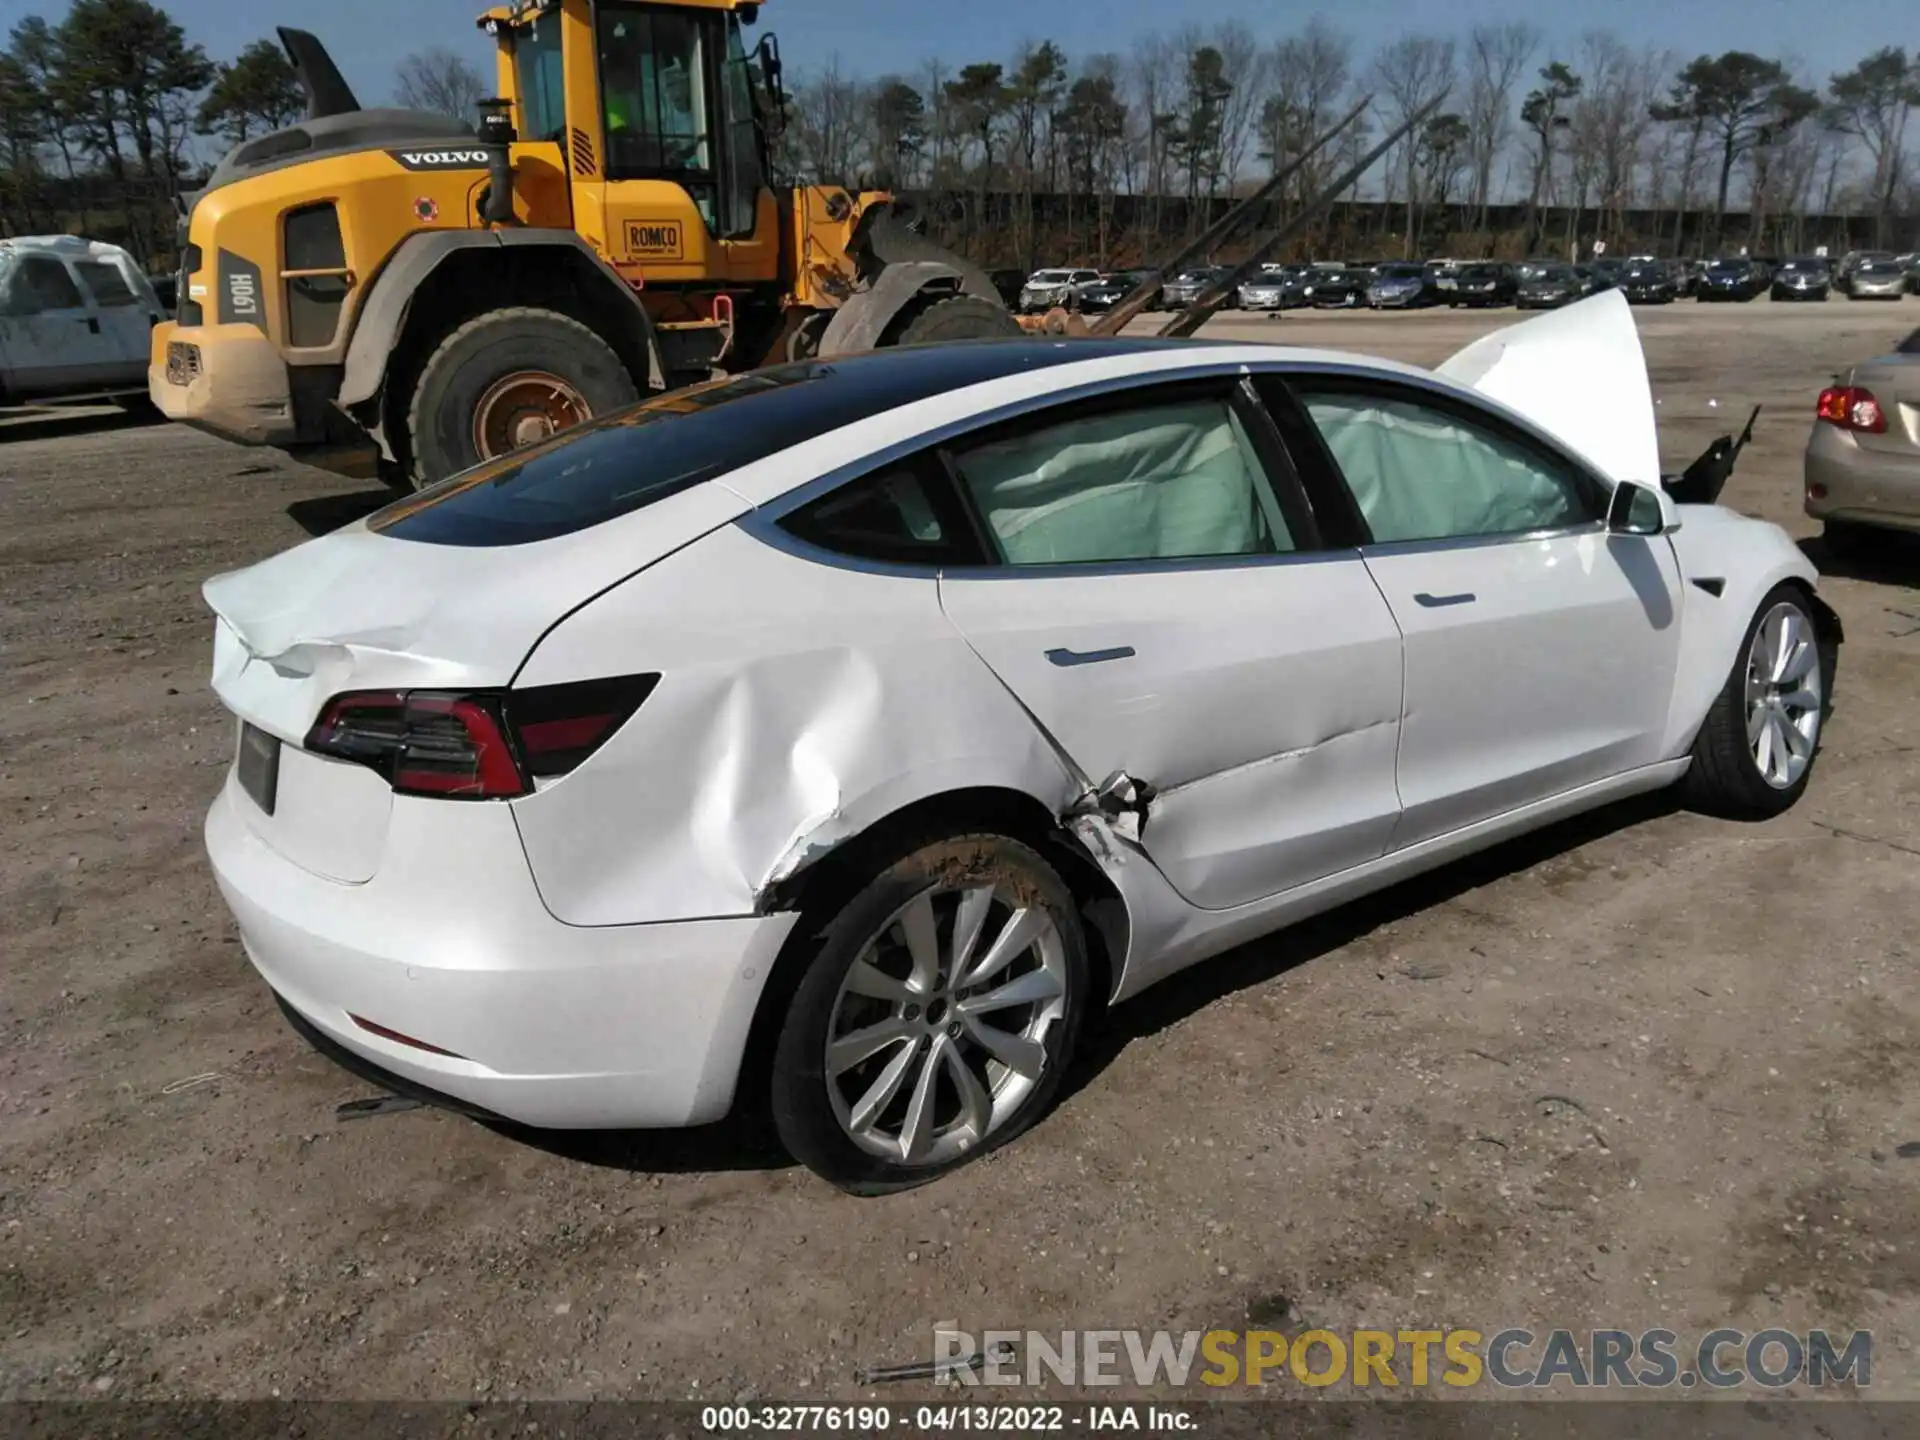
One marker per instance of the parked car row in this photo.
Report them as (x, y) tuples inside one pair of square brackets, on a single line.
[(1535, 284)]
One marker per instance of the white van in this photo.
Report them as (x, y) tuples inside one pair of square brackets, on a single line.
[(76, 317)]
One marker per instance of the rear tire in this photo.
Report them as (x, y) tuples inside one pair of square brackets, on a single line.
[(1726, 778), (854, 1127), (469, 369), (959, 317)]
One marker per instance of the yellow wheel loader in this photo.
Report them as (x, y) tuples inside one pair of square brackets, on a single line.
[(390, 292)]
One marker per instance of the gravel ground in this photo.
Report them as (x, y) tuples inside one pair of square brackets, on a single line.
[(1344, 1125)]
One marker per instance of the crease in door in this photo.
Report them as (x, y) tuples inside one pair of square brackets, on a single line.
[(1406, 712)]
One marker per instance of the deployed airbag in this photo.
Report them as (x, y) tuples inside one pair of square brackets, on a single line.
[(1171, 482), (1418, 476)]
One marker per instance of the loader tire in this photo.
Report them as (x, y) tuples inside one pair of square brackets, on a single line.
[(506, 379), (959, 317)]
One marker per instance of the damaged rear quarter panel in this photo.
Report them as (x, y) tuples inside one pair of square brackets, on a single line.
[(799, 704)]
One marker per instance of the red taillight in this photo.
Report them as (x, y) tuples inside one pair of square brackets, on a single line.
[(424, 742), (558, 726), (478, 745), (1852, 408)]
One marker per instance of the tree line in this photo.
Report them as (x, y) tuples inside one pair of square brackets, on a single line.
[(108, 117), (1030, 160)]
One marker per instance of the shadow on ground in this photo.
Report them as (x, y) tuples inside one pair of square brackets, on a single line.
[(747, 1142), (1177, 999), (51, 422), (1881, 557), (323, 514)]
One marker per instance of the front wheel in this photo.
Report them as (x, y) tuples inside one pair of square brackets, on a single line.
[(1756, 750), (506, 379), (959, 317), (936, 1017)]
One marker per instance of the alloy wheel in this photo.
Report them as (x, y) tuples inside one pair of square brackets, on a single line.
[(939, 1033), (1783, 695)]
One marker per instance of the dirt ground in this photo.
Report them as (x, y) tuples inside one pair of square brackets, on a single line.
[(1344, 1125)]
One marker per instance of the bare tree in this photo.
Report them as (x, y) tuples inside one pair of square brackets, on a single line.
[(1413, 71), (1872, 101), (832, 117), (1608, 123), (1497, 55), (1311, 72), (1156, 70), (1244, 69), (1546, 113), (1033, 91), (934, 75), (440, 81)]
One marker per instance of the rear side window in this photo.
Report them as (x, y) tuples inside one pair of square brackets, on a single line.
[(889, 516), (109, 286)]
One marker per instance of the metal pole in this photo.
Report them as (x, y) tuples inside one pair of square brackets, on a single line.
[(1214, 296), (1117, 319)]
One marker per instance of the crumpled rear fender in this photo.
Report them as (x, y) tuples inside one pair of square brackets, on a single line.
[(800, 703)]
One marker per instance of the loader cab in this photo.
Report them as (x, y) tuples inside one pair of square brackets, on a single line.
[(660, 113)]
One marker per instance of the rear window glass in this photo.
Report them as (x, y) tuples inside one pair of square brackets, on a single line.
[(625, 461)]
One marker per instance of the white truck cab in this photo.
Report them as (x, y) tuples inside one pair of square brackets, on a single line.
[(76, 318)]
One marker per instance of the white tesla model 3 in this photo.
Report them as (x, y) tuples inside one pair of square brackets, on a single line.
[(836, 736)]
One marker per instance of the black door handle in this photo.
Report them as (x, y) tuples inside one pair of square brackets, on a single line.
[(1436, 602), (93, 324), (1090, 657)]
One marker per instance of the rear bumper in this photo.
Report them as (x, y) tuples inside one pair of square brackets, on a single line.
[(225, 379), (1846, 481), (551, 1025)]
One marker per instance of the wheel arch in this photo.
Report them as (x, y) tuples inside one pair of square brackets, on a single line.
[(867, 317), (428, 288), (832, 877)]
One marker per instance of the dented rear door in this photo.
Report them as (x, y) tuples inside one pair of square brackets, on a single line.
[(1256, 696)]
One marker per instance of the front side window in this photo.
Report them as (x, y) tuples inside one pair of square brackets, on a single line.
[(40, 283), (1421, 472), (537, 69), (653, 82), (1160, 482)]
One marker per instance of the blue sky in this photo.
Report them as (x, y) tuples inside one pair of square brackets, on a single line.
[(874, 36)]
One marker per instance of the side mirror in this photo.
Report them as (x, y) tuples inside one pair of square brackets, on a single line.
[(1635, 510), (772, 72)]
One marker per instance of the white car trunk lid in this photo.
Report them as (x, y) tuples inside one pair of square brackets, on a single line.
[(358, 610), (1580, 375)]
